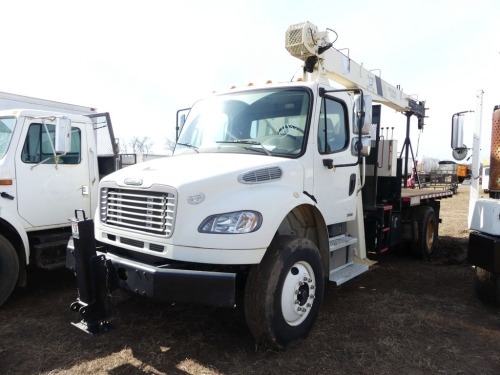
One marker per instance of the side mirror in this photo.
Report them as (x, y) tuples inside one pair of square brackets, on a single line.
[(361, 147), (363, 114), (457, 136), (62, 143), (457, 131)]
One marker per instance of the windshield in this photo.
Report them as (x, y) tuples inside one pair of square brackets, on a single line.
[(6, 129), (267, 122)]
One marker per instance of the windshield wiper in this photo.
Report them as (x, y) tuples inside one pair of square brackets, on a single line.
[(190, 146), (245, 142)]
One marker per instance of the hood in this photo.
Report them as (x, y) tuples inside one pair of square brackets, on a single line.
[(186, 169)]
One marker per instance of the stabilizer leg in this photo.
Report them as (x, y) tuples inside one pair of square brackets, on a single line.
[(91, 278)]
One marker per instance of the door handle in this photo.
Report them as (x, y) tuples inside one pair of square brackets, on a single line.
[(328, 163)]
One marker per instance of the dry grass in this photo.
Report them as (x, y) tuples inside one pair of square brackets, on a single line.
[(405, 316)]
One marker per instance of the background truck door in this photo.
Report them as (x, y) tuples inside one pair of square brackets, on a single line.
[(50, 188), (334, 182)]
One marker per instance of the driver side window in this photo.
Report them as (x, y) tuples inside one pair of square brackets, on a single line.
[(38, 146), (333, 134)]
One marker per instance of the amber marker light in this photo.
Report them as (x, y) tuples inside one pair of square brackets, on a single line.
[(5, 182)]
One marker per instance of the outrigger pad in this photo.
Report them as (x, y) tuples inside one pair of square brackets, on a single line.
[(93, 322), (95, 328)]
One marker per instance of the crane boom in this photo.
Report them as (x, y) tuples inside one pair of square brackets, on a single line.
[(305, 42)]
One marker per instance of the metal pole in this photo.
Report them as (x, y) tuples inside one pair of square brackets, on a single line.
[(406, 145), (476, 150)]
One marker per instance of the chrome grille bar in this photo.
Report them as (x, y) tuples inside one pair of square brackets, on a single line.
[(139, 210)]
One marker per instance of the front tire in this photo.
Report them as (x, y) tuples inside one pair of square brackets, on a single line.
[(486, 286), (284, 292), (9, 269)]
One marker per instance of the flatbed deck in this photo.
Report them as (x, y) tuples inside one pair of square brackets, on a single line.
[(416, 196)]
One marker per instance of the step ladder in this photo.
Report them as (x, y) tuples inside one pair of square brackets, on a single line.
[(343, 265)]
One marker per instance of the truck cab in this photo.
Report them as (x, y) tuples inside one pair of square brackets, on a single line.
[(49, 167), (262, 145), (252, 167)]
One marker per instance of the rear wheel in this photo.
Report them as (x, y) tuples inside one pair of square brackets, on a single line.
[(9, 269), (487, 286), (427, 232), (284, 292)]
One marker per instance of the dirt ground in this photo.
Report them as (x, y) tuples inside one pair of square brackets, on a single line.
[(405, 316)]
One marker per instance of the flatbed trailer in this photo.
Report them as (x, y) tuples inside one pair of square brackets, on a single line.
[(415, 197), (396, 216)]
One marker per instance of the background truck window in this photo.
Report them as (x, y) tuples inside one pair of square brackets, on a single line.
[(6, 129), (38, 148)]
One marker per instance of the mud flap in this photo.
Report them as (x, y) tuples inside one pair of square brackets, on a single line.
[(91, 278)]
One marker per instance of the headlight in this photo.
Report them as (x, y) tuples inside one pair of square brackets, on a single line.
[(232, 222)]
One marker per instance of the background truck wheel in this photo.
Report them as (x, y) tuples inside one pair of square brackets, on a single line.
[(487, 286), (284, 292), (9, 269), (427, 232)]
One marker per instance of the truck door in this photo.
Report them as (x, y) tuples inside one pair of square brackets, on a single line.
[(334, 171), (50, 188)]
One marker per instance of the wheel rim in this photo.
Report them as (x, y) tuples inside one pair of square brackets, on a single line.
[(429, 238), (297, 295)]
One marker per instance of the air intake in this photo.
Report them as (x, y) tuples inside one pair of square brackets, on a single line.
[(261, 175)]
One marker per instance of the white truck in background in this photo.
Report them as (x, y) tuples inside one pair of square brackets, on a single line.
[(15, 101), (484, 220), (271, 191), (51, 156)]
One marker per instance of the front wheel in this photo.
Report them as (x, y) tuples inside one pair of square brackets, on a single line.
[(284, 292), (9, 269)]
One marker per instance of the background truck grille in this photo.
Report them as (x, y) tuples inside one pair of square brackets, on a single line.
[(139, 210)]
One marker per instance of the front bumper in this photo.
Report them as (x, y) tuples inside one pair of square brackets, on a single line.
[(484, 251), (166, 283)]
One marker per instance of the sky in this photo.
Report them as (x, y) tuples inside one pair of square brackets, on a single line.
[(143, 60)]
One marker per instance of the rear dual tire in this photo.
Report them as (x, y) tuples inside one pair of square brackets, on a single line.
[(427, 224)]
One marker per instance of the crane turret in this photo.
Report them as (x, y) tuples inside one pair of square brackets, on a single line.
[(323, 62)]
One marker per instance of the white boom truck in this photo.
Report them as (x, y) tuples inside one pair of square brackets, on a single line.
[(270, 192), (50, 162)]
